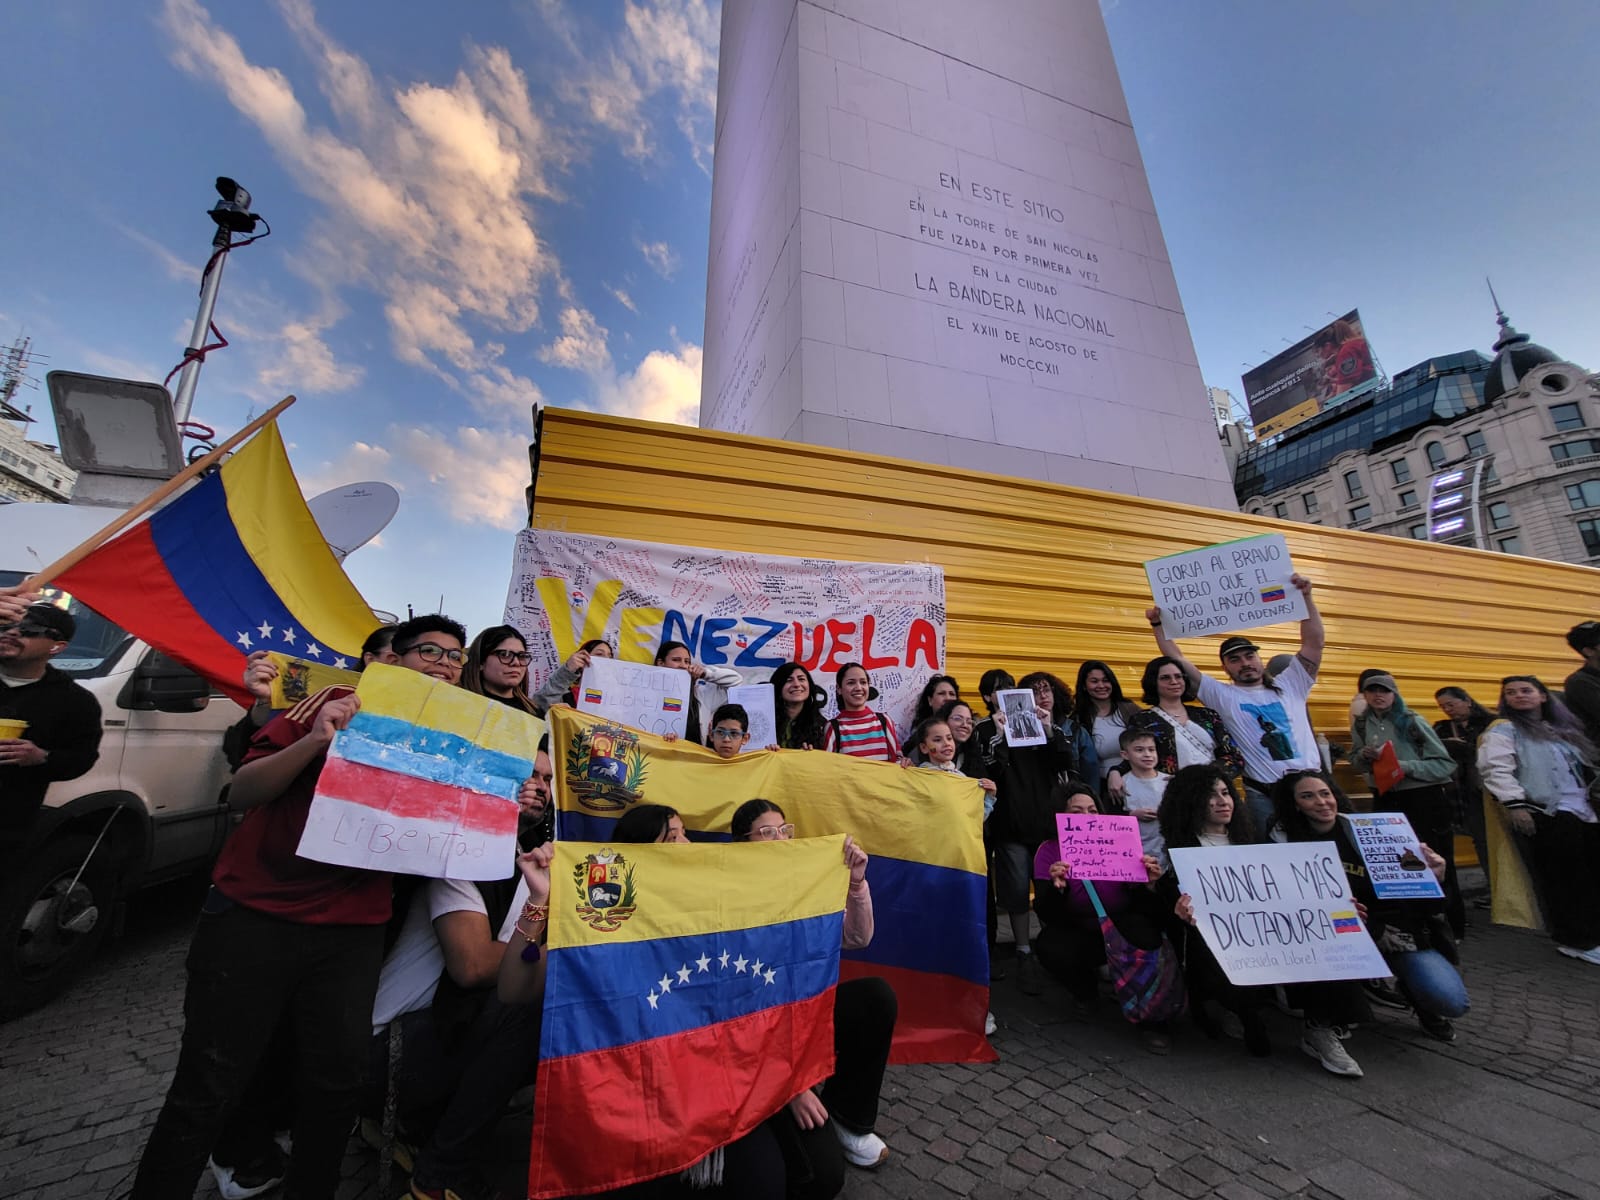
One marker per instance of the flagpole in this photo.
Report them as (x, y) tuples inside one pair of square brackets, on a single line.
[(193, 470)]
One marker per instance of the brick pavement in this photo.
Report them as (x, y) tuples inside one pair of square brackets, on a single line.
[(1074, 1108)]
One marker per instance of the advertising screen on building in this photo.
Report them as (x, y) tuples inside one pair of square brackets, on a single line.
[(1300, 382)]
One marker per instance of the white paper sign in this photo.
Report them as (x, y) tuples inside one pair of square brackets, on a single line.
[(1395, 863), (756, 699), (1278, 913), (654, 699), (1226, 587), (1023, 727)]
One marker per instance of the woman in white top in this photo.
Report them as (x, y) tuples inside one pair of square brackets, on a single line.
[(1187, 734), (1103, 712)]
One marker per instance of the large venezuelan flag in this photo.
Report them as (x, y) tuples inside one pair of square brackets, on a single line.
[(688, 997), (234, 564), (921, 829), (423, 781)]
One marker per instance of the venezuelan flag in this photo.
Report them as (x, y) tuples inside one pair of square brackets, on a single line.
[(921, 829), (422, 781), (688, 996), (234, 564), (1346, 922)]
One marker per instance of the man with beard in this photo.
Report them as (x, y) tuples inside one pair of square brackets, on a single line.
[(463, 1053), (1266, 716)]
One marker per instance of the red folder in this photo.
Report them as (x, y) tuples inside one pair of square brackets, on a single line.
[(1386, 771)]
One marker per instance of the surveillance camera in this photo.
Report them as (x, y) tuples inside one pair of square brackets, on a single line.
[(233, 210), (231, 192)]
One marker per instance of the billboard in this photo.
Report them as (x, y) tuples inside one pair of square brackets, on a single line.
[(1299, 383)]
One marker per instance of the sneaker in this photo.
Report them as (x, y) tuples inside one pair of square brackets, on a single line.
[(247, 1179), (1028, 981), (1323, 1044), (1384, 992), (1437, 1027), (1591, 955), (404, 1153), (469, 1188), (864, 1150), (988, 1024)]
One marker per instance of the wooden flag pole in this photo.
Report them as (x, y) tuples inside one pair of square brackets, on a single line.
[(73, 557)]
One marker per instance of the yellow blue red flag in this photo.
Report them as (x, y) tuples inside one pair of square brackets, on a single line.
[(234, 564), (688, 997), (923, 831)]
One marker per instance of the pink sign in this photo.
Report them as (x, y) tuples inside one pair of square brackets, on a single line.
[(1102, 848)]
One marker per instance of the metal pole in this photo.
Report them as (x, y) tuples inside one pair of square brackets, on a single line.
[(183, 399)]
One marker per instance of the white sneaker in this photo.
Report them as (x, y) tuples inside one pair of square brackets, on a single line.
[(862, 1149), (1591, 955), (229, 1187), (988, 1024), (1324, 1046)]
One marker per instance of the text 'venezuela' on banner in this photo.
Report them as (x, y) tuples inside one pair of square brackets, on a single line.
[(1278, 913), (688, 996), (749, 612), (1232, 585), (423, 781), (921, 829)]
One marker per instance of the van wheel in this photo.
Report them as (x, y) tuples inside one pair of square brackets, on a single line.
[(49, 927)]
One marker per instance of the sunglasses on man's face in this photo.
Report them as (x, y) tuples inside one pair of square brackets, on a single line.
[(31, 631)]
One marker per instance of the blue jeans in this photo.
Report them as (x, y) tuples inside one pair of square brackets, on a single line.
[(1262, 813), (1432, 983)]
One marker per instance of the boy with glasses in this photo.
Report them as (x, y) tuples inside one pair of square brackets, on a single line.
[(730, 730), (49, 725)]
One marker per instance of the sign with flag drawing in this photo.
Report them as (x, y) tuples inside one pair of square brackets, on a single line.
[(688, 996)]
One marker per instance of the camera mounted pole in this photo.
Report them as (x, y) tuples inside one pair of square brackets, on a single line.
[(232, 215)]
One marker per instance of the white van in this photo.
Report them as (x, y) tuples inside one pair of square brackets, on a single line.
[(153, 802)]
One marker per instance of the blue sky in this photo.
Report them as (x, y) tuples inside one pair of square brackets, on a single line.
[(477, 207)]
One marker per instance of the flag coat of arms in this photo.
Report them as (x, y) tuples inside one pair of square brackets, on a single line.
[(423, 781), (922, 831), (233, 565), (688, 997)]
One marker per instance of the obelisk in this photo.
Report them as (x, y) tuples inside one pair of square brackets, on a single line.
[(932, 237)]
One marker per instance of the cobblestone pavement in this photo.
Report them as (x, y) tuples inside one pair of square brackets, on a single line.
[(1073, 1108)]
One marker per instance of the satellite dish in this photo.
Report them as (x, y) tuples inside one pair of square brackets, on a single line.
[(352, 515)]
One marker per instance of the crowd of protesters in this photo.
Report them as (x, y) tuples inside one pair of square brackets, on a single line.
[(323, 999)]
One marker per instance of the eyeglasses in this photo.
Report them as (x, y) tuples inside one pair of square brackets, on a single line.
[(727, 735), (31, 631), (433, 652), (512, 657), (773, 833)]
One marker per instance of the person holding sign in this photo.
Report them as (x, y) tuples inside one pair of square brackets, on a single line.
[(1538, 763), (1424, 792), (1199, 809), (1419, 953), (675, 655), (1071, 945), (562, 686), (1266, 717)]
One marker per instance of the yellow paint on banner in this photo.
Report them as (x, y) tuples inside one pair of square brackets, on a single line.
[(925, 816), (300, 677), (406, 695), (603, 893)]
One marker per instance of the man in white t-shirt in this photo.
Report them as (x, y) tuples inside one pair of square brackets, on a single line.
[(1266, 716)]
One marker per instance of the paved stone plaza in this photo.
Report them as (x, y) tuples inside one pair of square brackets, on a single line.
[(1072, 1108)]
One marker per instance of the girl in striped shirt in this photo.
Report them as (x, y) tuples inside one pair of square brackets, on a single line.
[(859, 731)]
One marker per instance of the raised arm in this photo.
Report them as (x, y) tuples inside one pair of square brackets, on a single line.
[(1312, 635), (1170, 647)]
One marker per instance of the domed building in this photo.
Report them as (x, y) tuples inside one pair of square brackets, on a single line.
[(1502, 454)]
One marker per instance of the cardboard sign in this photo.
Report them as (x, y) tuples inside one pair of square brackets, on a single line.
[(1386, 769), (654, 699), (423, 781), (1395, 863), (1023, 727), (300, 677), (1101, 847), (1226, 587), (757, 700), (1277, 913)]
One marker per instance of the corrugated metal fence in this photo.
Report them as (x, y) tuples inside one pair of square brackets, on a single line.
[(1044, 576)]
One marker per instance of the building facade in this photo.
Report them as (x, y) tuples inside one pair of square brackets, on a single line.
[(31, 471), (1501, 454)]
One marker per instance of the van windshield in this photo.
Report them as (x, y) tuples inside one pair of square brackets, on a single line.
[(96, 641)]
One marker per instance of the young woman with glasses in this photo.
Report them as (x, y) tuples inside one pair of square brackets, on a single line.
[(497, 667)]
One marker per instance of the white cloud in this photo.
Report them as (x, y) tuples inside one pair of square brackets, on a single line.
[(360, 461), (621, 296), (480, 475), (663, 259), (582, 344), (665, 386), (301, 361)]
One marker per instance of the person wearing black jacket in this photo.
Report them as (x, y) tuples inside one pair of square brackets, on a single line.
[(60, 738), (1023, 817)]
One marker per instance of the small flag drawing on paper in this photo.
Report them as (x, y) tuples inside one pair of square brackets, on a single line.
[(1346, 922), (1272, 595), (668, 705), (591, 695)]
